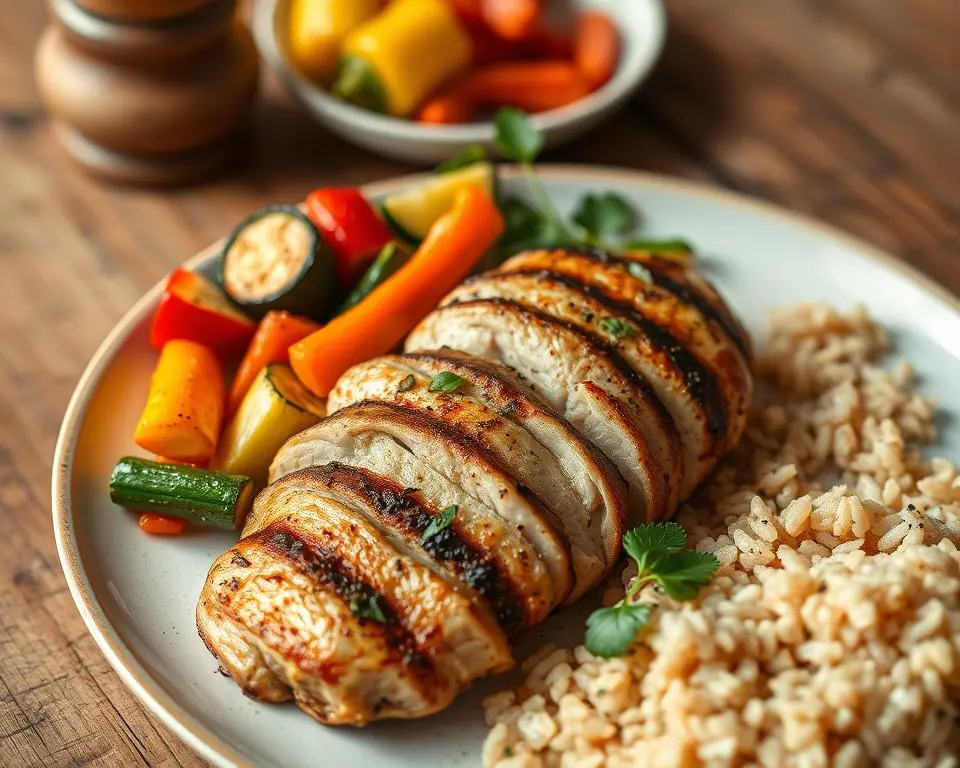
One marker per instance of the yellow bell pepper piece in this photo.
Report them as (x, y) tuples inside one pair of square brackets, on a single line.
[(318, 29), (411, 48)]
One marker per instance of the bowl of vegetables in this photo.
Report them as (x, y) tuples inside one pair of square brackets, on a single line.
[(418, 80)]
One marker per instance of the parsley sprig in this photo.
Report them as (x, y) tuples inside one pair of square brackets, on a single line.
[(607, 220), (658, 549)]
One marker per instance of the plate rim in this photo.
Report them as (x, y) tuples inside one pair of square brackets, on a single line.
[(203, 740)]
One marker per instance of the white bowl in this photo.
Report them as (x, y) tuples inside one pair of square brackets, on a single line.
[(642, 25)]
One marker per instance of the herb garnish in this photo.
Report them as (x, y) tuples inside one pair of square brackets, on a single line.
[(618, 327), (367, 607), (440, 522), (640, 272), (406, 384), (471, 155), (446, 381), (602, 221), (658, 549), (660, 246)]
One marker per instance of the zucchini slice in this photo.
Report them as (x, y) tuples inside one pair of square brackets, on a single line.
[(275, 408), (201, 496), (276, 259), (412, 212)]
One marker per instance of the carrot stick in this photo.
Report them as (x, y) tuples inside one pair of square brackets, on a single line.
[(452, 105), (377, 324), (597, 47), (512, 19), (160, 525), (276, 332), (184, 409), (534, 86)]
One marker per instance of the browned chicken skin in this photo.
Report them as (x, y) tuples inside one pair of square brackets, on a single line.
[(409, 534)]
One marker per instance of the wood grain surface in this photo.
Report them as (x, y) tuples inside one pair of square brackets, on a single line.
[(847, 110)]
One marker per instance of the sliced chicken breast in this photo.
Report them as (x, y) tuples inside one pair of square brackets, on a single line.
[(448, 470), (631, 284), (579, 376), (392, 379), (685, 386)]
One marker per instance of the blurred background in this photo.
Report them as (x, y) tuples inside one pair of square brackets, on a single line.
[(135, 132)]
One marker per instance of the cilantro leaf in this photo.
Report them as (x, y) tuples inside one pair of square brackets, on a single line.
[(440, 522), (528, 227), (659, 246), (611, 631), (618, 327), (681, 574), (446, 381), (367, 607), (515, 136), (648, 543), (471, 155), (606, 214)]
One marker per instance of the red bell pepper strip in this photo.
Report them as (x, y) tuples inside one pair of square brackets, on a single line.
[(160, 525), (271, 344), (351, 227), (194, 309)]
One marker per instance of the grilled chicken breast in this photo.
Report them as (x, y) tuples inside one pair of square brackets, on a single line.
[(407, 536)]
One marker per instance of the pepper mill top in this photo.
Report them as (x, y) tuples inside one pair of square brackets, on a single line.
[(144, 96)]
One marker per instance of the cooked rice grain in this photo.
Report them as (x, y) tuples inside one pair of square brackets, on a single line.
[(830, 636)]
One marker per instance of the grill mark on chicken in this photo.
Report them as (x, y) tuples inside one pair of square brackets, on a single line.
[(699, 381), (396, 506), (686, 293), (468, 445), (328, 570), (600, 347)]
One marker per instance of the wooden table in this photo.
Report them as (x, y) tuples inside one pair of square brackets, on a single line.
[(847, 110)]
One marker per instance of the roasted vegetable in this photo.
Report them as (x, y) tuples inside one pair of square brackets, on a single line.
[(193, 308), (391, 258), (597, 50), (351, 227), (276, 407), (201, 496), (276, 259), (453, 246), (413, 212), (394, 61), (160, 525), (184, 409), (276, 332), (318, 29)]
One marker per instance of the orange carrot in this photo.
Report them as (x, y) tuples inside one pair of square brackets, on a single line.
[(597, 47), (160, 525), (512, 19), (455, 104), (184, 409), (534, 86), (276, 332), (376, 325)]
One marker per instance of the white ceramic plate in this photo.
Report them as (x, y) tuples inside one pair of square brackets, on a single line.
[(137, 593), (642, 24)]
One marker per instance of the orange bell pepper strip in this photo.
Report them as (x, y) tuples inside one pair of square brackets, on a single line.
[(596, 47), (184, 409), (276, 332), (452, 247), (160, 525)]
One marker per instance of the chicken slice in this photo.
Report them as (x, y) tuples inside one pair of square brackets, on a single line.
[(448, 470), (579, 376), (405, 518), (687, 389), (392, 379), (713, 342)]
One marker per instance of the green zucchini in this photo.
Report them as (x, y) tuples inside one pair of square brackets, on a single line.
[(412, 212), (275, 408), (277, 260), (201, 496), (391, 258)]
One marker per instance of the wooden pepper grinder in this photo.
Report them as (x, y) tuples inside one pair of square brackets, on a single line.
[(148, 92)]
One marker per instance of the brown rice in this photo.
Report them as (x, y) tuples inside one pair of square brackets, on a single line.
[(831, 634)]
